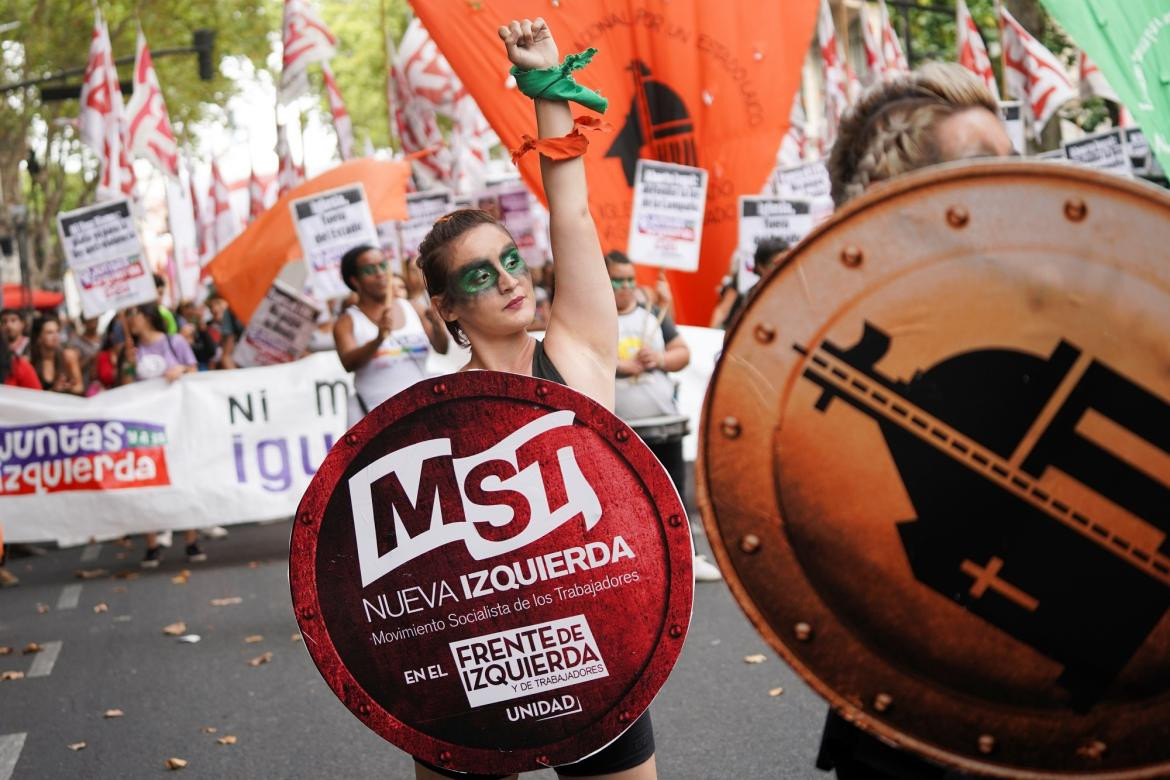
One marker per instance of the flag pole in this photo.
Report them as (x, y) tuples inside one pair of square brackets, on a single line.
[(386, 47)]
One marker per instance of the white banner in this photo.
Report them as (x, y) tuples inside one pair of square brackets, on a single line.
[(762, 217), (1012, 114), (328, 225), (666, 226), (279, 330), (1103, 151), (213, 448), (422, 209), (105, 255)]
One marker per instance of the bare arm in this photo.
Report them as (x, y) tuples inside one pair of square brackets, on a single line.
[(433, 326), (581, 337)]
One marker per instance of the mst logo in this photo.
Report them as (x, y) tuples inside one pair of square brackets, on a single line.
[(495, 501)]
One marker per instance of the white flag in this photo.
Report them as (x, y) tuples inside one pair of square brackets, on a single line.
[(835, 75), (1031, 72), (342, 124), (306, 40), (150, 135), (972, 52), (103, 117)]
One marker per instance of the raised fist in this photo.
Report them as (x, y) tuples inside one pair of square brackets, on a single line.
[(530, 44)]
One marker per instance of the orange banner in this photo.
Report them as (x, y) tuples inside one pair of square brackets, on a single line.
[(244, 271), (698, 82)]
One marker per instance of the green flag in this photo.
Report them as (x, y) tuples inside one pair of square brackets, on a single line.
[(1130, 42)]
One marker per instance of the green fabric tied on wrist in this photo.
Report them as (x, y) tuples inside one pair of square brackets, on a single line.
[(556, 83)]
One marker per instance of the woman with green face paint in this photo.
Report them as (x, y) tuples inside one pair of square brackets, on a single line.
[(482, 288)]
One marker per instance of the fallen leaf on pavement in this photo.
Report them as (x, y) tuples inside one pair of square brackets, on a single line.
[(227, 601), (123, 619), (228, 740), (101, 607), (90, 574), (297, 638), (30, 648), (263, 658), (758, 658), (5, 650), (6, 676), (175, 629), (119, 589), (77, 746), (209, 729), (253, 639), (190, 639), (126, 574), (182, 577), (775, 691), (113, 714), (42, 608), (176, 763)]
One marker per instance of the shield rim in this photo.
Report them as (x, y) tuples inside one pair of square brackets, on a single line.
[(709, 430), (677, 607)]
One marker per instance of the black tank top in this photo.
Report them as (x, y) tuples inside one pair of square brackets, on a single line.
[(542, 366)]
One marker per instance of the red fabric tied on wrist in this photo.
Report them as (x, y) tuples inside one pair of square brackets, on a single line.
[(573, 144)]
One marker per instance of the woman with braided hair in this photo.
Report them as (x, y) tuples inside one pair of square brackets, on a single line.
[(938, 113), (482, 288)]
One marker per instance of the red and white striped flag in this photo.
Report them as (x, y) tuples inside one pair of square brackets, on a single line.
[(205, 251), (412, 116), (472, 139), (892, 54), (256, 200), (103, 117), (288, 174), (1031, 72), (342, 124), (793, 144), (224, 225), (835, 75), (1092, 80), (972, 52), (150, 135), (306, 40)]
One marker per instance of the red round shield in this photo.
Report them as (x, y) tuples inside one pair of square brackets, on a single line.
[(493, 572)]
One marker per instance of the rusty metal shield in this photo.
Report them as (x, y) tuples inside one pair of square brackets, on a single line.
[(493, 572), (935, 468)]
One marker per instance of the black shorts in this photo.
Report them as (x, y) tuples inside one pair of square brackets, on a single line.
[(631, 749)]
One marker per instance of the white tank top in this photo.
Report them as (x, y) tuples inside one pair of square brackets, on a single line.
[(401, 359)]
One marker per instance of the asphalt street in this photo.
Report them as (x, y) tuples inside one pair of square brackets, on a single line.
[(104, 648)]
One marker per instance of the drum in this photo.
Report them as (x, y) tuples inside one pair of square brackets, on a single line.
[(661, 430)]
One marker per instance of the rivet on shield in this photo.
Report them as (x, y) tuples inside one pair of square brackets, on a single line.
[(882, 702), (542, 760), (622, 435), (675, 521), (364, 709), (1094, 750), (749, 543), (350, 439), (765, 333), (445, 757), (308, 614), (958, 217), (623, 716), (986, 744), (730, 427), (1075, 209), (676, 631), (306, 518), (439, 389), (541, 391), (851, 256), (803, 631)]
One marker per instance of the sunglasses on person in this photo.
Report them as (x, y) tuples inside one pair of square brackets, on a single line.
[(629, 284), (373, 269)]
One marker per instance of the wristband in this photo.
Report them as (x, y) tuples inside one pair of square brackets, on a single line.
[(572, 144), (556, 83)]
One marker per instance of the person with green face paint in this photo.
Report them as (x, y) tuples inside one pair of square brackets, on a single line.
[(383, 339), (483, 290)]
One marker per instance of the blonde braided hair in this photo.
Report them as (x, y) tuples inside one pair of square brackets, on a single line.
[(890, 129)]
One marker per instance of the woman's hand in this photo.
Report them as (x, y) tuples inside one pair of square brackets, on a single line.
[(530, 44), (174, 372)]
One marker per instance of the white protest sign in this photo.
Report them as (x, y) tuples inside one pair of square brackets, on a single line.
[(329, 224), (389, 241), (666, 226), (422, 209), (1011, 112), (103, 250), (810, 180), (279, 329), (1138, 149), (516, 213), (762, 217), (1103, 151)]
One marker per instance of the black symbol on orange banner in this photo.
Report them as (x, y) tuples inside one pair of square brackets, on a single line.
[(658, 123), (1079, 572)]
